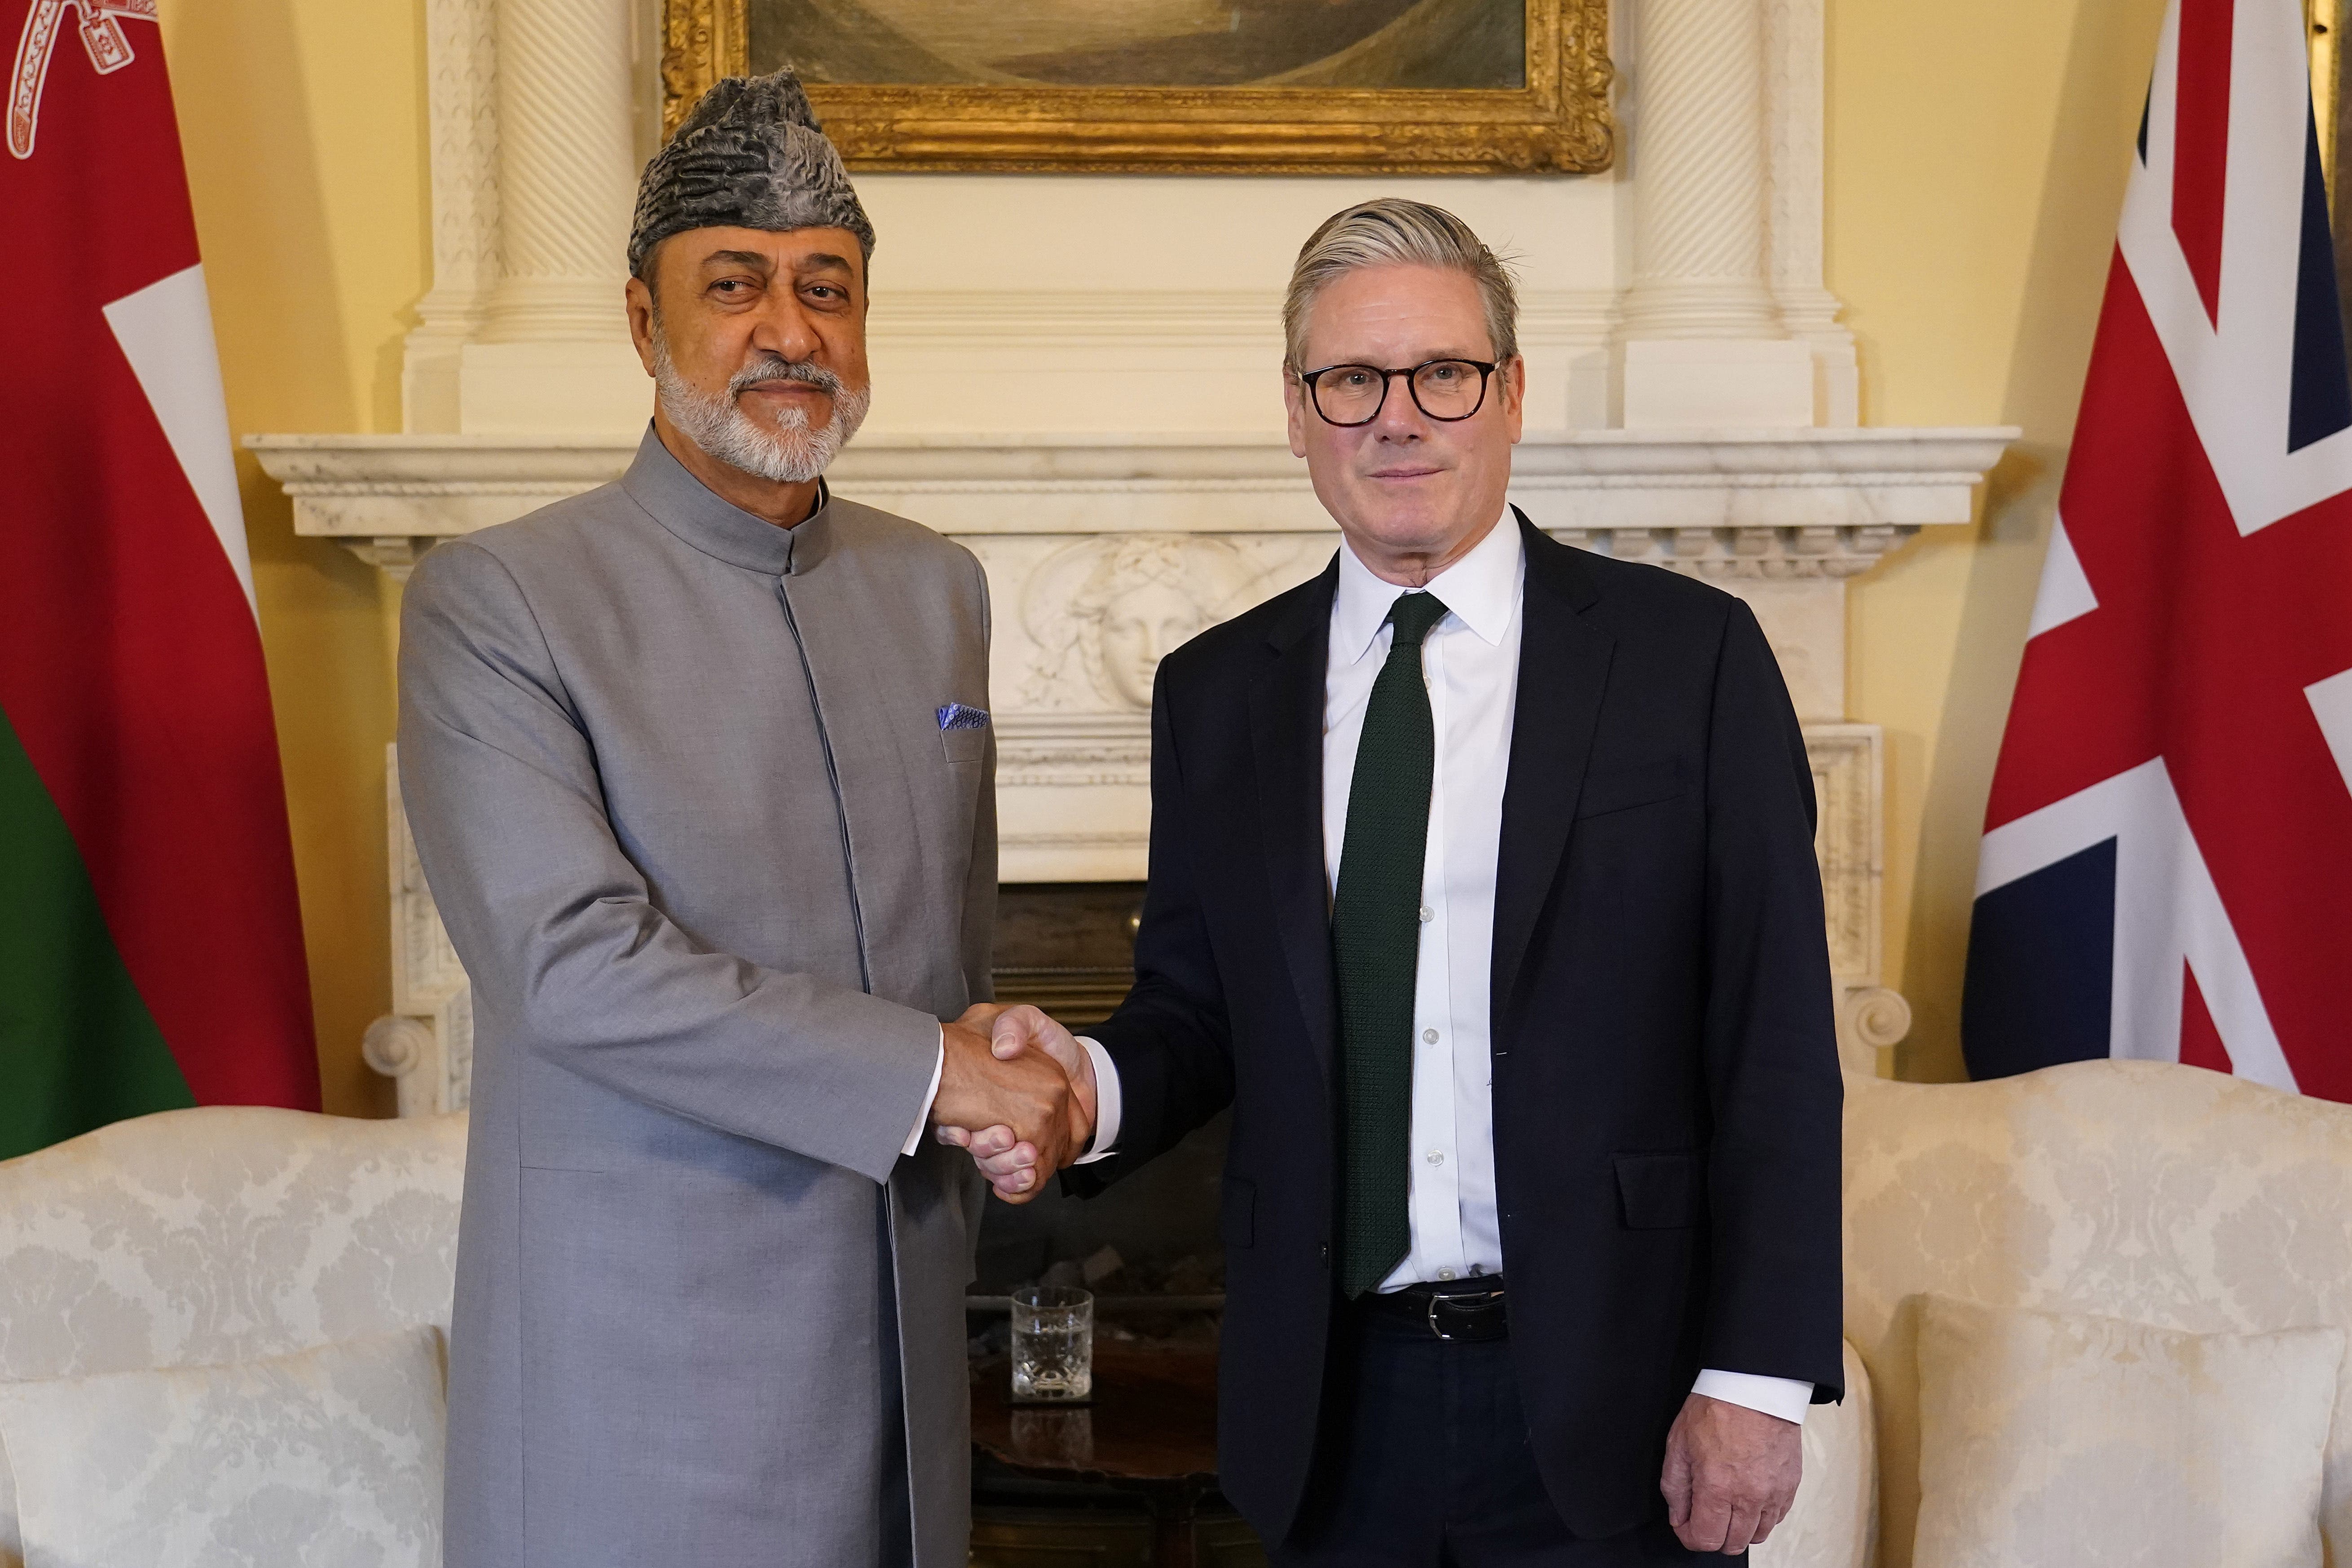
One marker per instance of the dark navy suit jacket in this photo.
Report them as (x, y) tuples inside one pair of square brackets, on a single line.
[(1666, 1098)]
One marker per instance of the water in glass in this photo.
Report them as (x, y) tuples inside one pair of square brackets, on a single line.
[(1052, 1343)]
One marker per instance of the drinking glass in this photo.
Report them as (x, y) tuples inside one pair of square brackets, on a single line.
[(1053, 1344)]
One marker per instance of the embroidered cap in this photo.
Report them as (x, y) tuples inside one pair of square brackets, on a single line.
[(750, 155)]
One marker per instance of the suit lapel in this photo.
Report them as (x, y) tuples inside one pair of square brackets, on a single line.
[(1286, 741), (1563, 669)]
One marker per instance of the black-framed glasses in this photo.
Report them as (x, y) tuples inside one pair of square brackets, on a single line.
[(1350, 394)]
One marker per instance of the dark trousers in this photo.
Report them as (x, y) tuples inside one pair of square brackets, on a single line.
[(1424, 1461)]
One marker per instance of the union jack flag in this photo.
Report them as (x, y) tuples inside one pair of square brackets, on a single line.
[(2166, 864)]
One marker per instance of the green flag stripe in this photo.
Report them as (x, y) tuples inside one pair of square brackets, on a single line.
[(77, 1048)]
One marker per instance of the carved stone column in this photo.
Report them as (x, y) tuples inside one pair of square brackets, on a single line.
[(461, 72), (1698, 165), (552, 354), (1702, 340), (1793, 49), (567, 169)]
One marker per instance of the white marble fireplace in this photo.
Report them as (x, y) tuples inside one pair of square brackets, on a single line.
[(1693, 405)]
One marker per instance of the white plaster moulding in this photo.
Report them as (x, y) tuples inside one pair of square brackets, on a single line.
[(1189, 319), (370, 489)]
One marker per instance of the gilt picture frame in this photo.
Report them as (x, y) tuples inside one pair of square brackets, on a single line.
[(1402, 87)]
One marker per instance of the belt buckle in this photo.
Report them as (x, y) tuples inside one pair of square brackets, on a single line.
[(1487, 1300), (1436, 1299)]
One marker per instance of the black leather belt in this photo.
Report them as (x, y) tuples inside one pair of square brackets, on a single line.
[(1467, 1310)]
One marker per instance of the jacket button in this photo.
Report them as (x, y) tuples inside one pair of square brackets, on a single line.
[(1325, 1250)]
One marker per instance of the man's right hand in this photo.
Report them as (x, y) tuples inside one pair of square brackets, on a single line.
[(1014, 1166), (1027, 1093)]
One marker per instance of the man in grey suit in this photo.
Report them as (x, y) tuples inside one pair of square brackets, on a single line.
[(701, 770)]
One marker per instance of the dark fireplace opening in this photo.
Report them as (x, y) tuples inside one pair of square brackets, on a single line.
[(1128, 1480)]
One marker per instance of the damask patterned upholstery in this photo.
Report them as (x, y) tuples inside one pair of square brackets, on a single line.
[(1834, 1523), (2084, 1442), (2159, 1193), (195, 1237), (331, 1457)]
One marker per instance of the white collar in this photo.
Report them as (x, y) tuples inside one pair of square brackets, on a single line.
[(1482, 589)]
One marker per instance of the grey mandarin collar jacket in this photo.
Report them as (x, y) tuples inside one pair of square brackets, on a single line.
[(715, 871)]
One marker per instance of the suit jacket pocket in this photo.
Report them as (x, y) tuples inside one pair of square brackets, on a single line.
[(1621, 789), (1238, 1214), (965, 745), (1662, 1192)]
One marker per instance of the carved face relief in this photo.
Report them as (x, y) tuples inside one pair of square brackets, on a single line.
[(1142, 626), (1122, 604)]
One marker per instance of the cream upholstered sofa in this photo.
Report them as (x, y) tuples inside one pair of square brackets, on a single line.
[(217, 1236), (2164, 1194), (2142, 1190), (203, 1237), (2146, 1191)]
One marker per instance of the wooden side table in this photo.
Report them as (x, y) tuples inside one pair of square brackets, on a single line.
[(1150, 1431)]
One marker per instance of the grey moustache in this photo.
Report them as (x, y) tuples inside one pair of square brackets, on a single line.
[(775, 370)]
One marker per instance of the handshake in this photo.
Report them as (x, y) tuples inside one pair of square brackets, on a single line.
[(1018, 1091)]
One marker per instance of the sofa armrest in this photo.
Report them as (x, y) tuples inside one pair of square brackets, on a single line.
[(1834, 1523)]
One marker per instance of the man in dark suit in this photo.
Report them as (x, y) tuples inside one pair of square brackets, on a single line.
[(1481, 885)]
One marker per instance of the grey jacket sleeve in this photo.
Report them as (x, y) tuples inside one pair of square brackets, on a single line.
[(555, 926)]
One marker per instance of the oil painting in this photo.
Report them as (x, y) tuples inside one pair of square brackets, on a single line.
[(1145, 43), (1273, 86)]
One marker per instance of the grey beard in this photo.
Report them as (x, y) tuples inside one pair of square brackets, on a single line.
[(787, 452)]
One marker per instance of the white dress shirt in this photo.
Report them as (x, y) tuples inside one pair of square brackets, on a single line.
[(1471, 664)]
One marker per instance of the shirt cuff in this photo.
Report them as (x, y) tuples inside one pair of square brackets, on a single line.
[(1106, 1104), (1785, 1398), (930, 1096)]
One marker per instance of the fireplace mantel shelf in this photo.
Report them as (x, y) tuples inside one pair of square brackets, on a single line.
[(324, 470), (1808, 503)]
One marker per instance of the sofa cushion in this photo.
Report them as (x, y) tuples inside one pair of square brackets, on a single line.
[(2146, 1191), (222, 1233), (2052, 1439), (330, 1457)]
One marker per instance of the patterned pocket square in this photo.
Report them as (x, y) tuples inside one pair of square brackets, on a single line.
[(956, 716)]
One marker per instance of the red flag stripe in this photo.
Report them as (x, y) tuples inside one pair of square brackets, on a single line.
[(2200, 1041), (2201, 155)]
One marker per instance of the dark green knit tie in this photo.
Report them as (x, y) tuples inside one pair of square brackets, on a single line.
[(1375, 945)]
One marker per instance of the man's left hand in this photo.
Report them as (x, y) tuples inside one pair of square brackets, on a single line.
[(1732, 1473)]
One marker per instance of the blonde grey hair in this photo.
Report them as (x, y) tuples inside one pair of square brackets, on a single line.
[(1394, 232)]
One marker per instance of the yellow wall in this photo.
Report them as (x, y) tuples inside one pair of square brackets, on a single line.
[(303, 125), (1977, 156), (1975, 160)]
